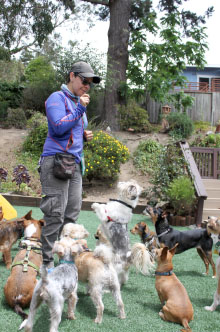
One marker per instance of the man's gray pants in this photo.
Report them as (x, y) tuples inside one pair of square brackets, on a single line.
[(61, 203)]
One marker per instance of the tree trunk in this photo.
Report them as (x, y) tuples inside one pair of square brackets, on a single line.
[(118, 36)]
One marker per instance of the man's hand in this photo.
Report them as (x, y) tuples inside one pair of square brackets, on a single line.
[(84, 100), (88, 135)]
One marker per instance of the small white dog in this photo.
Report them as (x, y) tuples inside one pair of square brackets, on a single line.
[(115, 216), (57, 286)]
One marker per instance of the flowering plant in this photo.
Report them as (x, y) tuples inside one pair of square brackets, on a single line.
[(103, 156)]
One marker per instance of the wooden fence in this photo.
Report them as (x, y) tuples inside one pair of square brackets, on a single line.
[(207, 161)]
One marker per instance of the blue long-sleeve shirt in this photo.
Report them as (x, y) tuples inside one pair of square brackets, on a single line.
[(65, 126)]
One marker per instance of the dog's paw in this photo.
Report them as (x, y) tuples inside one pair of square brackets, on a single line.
[(209, 308), (71, 316)]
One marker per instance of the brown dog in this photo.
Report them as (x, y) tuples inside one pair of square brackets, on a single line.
[(22, 280), (148, 237), (177, 307), (10, 232), (213, 224)]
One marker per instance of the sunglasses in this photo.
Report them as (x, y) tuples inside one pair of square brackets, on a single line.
[(85, 81)]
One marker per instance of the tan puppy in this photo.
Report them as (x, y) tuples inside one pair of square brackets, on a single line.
[(96, 269), (177, 307), (100, 237), (25, 267)]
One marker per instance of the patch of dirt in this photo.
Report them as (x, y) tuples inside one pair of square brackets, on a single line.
[(11, 139)]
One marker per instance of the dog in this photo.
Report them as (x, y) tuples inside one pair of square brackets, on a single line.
[(96, 269), (20, 284), (148, 237), (198, 238), (115, 216), (173, 296), (57, 286), (213, 224), (10, 232), (73, 230)]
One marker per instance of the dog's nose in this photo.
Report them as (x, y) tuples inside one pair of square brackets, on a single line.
[(96, 237)]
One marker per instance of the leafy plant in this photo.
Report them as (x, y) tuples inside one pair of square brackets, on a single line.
[(145, 154), (34, 142), (181, 195), (169, 164), (16, 118), (3, 175), (181, 126), (21, 175), (135, 117), (103, 156), (211, 141)]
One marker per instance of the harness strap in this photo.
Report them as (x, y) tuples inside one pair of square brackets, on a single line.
[(167, 231), (63, 261), (25, 262)]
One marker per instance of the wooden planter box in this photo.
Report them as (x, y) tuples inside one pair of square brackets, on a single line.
[(181, 221)]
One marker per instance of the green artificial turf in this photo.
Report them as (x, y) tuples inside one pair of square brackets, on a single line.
[(141, 301)]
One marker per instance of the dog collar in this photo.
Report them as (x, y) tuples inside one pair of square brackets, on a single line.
[(63, 261), (119, 201), (168, 273), (146, 235), (167, 231)]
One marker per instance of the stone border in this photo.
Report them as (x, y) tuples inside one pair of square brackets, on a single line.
[(20, 200)]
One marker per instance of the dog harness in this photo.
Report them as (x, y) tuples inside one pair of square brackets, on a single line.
[(165, 232), (168, 273), (63, 261), (26, 262)]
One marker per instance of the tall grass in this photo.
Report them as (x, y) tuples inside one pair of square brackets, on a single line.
[(141, 301)]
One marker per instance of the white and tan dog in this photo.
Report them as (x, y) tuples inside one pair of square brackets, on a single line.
[(115, 216)]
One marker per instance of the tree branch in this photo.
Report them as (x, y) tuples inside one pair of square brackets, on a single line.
[(98, 2)]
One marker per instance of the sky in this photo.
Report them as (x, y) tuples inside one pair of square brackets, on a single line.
[(97, 37)]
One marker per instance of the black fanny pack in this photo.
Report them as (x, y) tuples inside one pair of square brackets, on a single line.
[(64, 166)]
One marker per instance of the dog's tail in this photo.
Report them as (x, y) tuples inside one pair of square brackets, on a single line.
[(185, 324), (142, 259), (104, 253), (18, 309)]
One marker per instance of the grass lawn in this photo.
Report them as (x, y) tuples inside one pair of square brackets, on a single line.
[(139, 295)]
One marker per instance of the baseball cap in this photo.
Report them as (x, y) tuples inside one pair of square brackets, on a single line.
[(85, 70)]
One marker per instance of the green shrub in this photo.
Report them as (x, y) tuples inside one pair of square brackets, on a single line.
[(34, 142), (135, 117), (103, 157), (181, 195), (145, 154), (202, 126), (211, 141), (169, 164), (181, 126), (16, 118)]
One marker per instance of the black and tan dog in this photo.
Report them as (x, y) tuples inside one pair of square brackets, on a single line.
[(148, 237), (198, 238)]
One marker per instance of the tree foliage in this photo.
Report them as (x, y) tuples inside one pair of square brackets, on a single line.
[(28, 22)]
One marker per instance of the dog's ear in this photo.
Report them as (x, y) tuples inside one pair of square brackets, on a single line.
[(28, 215), (173, 250), (58, 249), (164, 253), (42, 222), (76, 249)]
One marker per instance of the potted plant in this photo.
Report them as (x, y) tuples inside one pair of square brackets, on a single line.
[(181, 195)]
